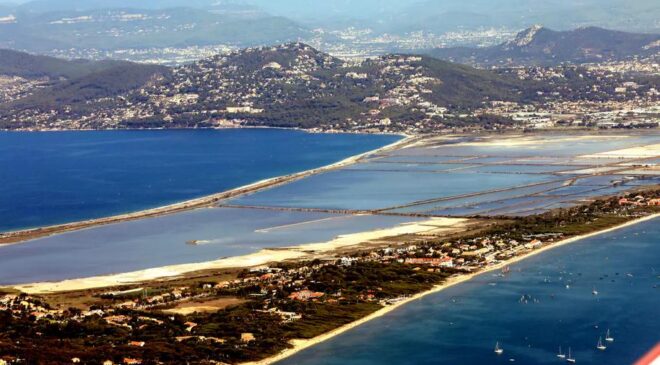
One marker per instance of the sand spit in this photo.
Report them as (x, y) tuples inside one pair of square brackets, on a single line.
[(206, 201), (640, 152), (300, 345), (307, 251), (515, 141)]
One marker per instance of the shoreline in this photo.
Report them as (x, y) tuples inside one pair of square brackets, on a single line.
[(261, 257), (25, 235), (300, 345)]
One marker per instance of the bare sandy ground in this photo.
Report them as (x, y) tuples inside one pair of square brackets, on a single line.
[(515, 141), (215, 305), (299, 345), (435, 225), (647, 151)]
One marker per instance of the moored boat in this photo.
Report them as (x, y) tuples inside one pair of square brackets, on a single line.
[(498, 350)]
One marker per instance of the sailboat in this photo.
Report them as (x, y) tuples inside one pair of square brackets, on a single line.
[(594, 292), (498, 349), (570, 358), (600, 345), (609, 337), (561, 355)]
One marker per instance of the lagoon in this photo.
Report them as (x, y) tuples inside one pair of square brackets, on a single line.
[(51, 178)]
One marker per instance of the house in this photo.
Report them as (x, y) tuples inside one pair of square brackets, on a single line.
[(190, 326), (272, 66), (429, 261), (136, 343), (305, 295), (247, 337), (347, 261), (131, 361)]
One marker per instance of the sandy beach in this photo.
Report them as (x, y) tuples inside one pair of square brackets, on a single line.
[(20, 236), (300, 345), (305, 251)]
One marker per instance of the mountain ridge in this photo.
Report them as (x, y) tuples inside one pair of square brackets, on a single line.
[(292, 85), (538, 45)]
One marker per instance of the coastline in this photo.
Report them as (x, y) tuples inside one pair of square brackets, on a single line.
[(262, 257), (21, 236), (300, 345)]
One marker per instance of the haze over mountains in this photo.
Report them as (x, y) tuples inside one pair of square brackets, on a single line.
[(42, 25), (542, 46)]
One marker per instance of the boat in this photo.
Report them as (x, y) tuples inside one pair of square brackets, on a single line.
[(594, 291), (600, 345), (561, 355), (506, 270), (569, 358), (608, 336), (498, 349)]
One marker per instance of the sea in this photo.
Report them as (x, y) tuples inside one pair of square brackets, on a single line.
[(51, 178), (567, 297)]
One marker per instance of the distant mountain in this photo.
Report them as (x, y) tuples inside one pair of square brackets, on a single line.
[(439, 16), (542, 46), (44, 6), (130, 27)]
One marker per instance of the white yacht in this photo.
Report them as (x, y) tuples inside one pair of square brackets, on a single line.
[(608, 336), (560, 354), (498, 349), (570, 359)]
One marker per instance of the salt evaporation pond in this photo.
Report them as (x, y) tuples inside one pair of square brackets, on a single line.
[(162, 241)]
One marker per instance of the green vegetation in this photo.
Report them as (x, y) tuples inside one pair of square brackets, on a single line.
[(293, 300)]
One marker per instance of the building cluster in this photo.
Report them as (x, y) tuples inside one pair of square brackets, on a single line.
[(361, 43), (13, 88), (294, 85), (582, 97)]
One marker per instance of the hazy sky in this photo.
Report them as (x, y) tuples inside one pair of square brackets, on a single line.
[(411, 15)]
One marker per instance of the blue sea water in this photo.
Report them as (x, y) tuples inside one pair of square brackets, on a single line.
[(462, 324), (59, 177)]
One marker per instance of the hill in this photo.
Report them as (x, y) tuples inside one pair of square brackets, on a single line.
[(15, 63), (293, 85), (105, 83), (541, 46)]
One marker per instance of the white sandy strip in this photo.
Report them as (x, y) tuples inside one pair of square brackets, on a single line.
[(513, 141), (260, 258), (314, 221), (299, 345), (648, 151)]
